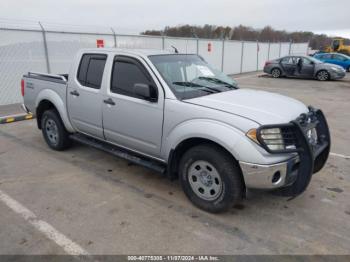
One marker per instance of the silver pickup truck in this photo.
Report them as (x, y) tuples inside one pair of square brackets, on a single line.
[(176, 114)]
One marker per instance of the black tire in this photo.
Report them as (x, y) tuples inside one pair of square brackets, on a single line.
[(52, 123), (276, 72), (322, 75), (230, 179), (348, 69)]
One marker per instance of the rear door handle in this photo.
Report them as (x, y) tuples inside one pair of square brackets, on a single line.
[(74, 93), (109, 101)]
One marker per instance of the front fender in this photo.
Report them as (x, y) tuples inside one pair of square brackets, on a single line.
[(56, 100), (230, 138)]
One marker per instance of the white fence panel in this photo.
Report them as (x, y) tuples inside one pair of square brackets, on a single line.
[(214, 56), (62, 48), (232, 57), (274, 51), (263, 54), (299, 49), (139, 42), (20, 52), (285, 49), (249, 62), (186, 46)]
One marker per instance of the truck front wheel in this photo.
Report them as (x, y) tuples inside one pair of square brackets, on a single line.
[(54, 132), (211, 178)]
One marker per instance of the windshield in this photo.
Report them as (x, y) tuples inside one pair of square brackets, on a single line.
[(189, 76), (315, 60)]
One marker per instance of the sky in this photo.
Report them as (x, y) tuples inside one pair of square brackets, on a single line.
[(134, 16)]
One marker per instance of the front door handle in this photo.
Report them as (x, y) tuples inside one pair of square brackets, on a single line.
[(74, 93), (109, 101)]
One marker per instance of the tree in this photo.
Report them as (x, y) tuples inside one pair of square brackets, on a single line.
[(246, 33)]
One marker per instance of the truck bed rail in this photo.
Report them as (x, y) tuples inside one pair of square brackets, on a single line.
[(53, 76)]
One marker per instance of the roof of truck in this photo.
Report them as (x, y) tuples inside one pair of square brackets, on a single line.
[(144, 52)]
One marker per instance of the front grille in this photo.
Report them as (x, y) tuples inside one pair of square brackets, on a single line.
[(293, 136), (289, 137)]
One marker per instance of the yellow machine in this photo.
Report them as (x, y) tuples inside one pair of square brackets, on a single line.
[(338, 45)]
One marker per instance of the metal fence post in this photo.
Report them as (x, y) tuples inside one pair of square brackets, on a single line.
[(45, 49), (268, 51), (222, 55), (163, 42), (290, 48), (114, 37), (197, 46), (279, 52), (242, 56), (257, 55)]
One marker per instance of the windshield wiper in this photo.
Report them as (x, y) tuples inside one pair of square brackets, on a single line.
[(191, 84), (216, 81)]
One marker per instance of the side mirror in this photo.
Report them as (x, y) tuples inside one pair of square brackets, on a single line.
[(145, 91)]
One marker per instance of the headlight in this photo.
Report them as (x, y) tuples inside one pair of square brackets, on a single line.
[(272, 138), (335, 68)]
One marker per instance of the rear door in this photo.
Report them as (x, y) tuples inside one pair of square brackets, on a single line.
[(327, 58), (84, 98), (128, 120), (289, 66)]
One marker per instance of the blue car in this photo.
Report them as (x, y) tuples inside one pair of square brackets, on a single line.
[(335, 58)]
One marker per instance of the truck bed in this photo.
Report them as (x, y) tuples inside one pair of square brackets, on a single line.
[(36, 83)]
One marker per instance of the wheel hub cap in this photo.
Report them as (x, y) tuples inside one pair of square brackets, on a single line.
[(204, 180), (51, 131)]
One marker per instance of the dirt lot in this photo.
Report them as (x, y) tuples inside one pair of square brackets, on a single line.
[(86, 201)]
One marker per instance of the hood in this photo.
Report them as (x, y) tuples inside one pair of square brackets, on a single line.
[(334, 65), (260, 106)]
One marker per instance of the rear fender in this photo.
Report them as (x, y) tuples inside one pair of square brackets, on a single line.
[(56, 100)]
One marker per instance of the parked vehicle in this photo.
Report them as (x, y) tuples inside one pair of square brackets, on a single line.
[(339, 45), (177, 115), (334, 58), (303, 67)]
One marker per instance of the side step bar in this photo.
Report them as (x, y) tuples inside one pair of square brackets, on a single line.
[(120, 152)]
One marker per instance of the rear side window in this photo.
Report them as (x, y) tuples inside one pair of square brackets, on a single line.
[(91, 70), (327, 56), (288, 60), (125, 74)]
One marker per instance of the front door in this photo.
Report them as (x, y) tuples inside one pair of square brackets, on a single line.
[(84, 96), (128, 120), (307, 68)]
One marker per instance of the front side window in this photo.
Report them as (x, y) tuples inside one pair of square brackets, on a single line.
[(339, 57), (306, 61), (91, 69), (189, 76), (126, 73)]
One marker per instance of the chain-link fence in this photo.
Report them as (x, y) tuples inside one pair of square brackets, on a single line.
[(47, 49)]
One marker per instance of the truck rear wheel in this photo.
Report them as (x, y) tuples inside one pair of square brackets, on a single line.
[(54, 132), (210, 178)]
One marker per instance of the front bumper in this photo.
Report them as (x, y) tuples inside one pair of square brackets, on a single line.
[(270, 176), (337, 74), (305, 160)]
